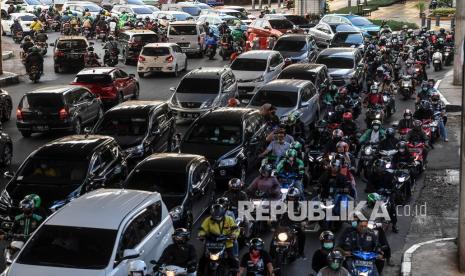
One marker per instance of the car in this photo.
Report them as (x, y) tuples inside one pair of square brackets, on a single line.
[(153, 9), (297, 48), (111, 84), (263, 29), (202, 89), (161, 57), (131, 42), (106, 228), (343, 64), (165, 17), (316, 73), (79, 7), (223, 10), (288, 96), (28, 6), (255, 68), (189, 8), (139, 11), (139, 127), (230, 138), (6, 105), (6, 148), (62, 170), (25, 20), (108, 4), (201, 5), (299, 21), (348, 39), (69, 53), (324, 32), (189, 35), (57, 108), (185, 181), (360, 22)]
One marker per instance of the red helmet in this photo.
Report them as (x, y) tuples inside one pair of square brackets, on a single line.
[(233, 102), (347, 116), (343, 91)]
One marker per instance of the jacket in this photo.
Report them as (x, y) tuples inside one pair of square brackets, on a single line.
[(366, 136), (226, 227)]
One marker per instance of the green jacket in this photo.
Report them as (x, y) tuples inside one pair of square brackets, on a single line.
[(26, 225), (366, 136), (297, 167)]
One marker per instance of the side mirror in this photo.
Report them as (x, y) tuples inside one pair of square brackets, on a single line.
[(304, 104), (156, 131), (271, 69), (245, 101), (130, 254), (87, 130), (172, 89), (8, 175), (395, 124), (91, 43)]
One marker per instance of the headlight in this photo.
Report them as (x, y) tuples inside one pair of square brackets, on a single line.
[(135, 150), (260, 79), (215, 257), (434, 124), (401, 179), (385, 98), (368, 151), (378, 116), (228, 162), (176, 213), (282, 237)]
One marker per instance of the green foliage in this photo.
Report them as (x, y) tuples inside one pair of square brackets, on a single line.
[(372, 5), (421, 6), (396, 25), (443, 11)]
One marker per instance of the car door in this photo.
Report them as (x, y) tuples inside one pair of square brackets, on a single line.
[(93, 105), (326, 34), (160, 130), (202, 193), (276, 64), (77, 108), (121, 81)]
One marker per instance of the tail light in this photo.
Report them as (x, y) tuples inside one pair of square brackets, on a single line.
[(170, 59), (63, 113), (19, 115), (141, 58), (59, 54)]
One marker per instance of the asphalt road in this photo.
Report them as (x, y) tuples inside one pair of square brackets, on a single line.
[(157, 88)]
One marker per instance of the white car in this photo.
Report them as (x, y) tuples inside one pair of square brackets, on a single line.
[(78, 7), (255, 68), (138, 10), (97, 234), (165, 17), (161, 57), (27, 5), (25, 19)]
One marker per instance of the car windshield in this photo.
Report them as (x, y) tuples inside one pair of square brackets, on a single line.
[(155, 51), (303, 75), (166, 183), (360, 21), (93, 79), (343, 28), (348, 39), (26, 18), (122, 126), (297, 20), (199, 86), (276, 98), (50, 101), (290, 45), (59, 246), (237, 14), (194, 11), (135, 2), (208, 132), (336, 62), (183, 30), (182, 16), (51, 171), (142, 10), (281, 24), (46, 2), (32, 2), (92, 8), (249, 64), (145, 38), (71, 44)]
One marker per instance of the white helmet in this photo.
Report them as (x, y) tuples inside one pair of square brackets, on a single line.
[(137, 268)]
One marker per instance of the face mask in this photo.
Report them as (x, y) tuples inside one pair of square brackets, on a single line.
[(375, 127), (408, 117), (328, 245), (401, 150), (353, 224), (334, 266)]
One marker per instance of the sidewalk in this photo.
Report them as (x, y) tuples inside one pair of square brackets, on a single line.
[(450, 94), (400, 12)]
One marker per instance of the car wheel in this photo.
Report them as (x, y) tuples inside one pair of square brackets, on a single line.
[(26, 133), (6, 114), (77, 127), (141, 74), (7, 155), (176, 72), (185, 66)]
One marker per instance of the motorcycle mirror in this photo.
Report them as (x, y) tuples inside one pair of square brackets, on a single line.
[(52, 44), (172, 89), (395, 124)]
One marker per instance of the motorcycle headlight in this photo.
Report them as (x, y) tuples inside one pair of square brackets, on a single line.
[(282, 237), (401, 179), (368, 151), (176, 213), (378, 116), (310, 159), (135, 150), (215, 257), (385, 98), (228, 162)]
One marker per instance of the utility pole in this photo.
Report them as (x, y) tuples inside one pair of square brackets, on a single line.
[(1, 59), (461, 230), (459, 34)]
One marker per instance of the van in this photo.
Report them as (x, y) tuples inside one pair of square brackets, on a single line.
[(188, 35), (191, 9)]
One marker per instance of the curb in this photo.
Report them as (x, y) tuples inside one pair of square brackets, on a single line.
[(8, 78), (406, 269), (449, 107), (7, 54)]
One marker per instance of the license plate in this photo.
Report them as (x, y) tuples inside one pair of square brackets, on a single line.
[(41, 128), (363, 263), (155, 69), (184, 50)]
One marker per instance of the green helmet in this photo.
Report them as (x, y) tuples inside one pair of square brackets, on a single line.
[(291, 153), (296, 145), (34, 49), (373, 197), (35, 198)]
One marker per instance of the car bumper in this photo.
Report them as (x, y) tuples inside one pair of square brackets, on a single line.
[(164, 68), (39, 127)]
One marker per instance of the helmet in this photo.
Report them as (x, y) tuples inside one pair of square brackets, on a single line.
[(425, 105), (339, 108), (441, 40), (321, 124), (347, 116), (27, 38), (372, 198), (296, 145), (417, 124), (34, 49), (235, 184), (90, 49), (338, 134), (326, 236), (223, 201), (374, 89), (375, 122), (343, 91), (147, 18), (431, 83), (402, 146), (435, 97), (404, 27), (442, 30), (335, 259), (217, 212), (27, 204), (37, 200), (137, 268), (343, 145), (420, 52), (256, 244), (266, 168), (291, 153), (293, 194), (407, 112), (390, 132), (180, 236)]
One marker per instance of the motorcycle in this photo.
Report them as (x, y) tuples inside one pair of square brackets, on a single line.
[(210, 44), (111, 58), (12, 250), (401, 182), (437, 60), (406, 88), (363, 263), (435, 126), (448, 55), (374, 113), (170, 270), (419, 71), (18, 37), (225, 49), (315, 165), (368, 153), (237, 50), (42, 47), (66, 28), (215, 252), (284, 247), (390, 103), (91, 61), (86, 32), (101, 34), (55, 26), (416, 150), (34, 74)]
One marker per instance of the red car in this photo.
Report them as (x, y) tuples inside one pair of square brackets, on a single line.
[(112, 85), (263, 32)]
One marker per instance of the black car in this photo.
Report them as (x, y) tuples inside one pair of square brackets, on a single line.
[(131, 42), (6, 148), (297, 48), (65, 107), (348, 39), (6, 104), (230, 138), (139, 127), (185, 182), (316, 73), (343, 63), (69, 53), (63, 170), (300, 21)]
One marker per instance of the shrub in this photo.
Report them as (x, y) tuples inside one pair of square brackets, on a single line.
[(443, 11), (396, 25), (373, 5)]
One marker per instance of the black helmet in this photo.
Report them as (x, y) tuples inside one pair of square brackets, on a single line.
[(425, 105), (27, 205), (217, 212), (335, 259), (223, 201), (442, 30), (326, 236), (266, 168), (402, 146), (90, 49), (293, 194), (235, 184), (390, 132), (256, 244), (407, 112), (417, 124), (338, 134), (180, 236)]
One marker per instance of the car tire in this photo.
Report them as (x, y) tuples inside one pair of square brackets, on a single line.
[(7, 155), (176, 71), (77, 127), (26, 133), (141, 74), (135, 94), (6, 114), (185, 66)]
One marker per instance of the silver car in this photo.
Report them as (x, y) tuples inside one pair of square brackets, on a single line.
[(324, 32), (253, 69), (288, 96), (201, 90)]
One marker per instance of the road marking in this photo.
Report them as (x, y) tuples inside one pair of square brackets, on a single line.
[(436, 86)]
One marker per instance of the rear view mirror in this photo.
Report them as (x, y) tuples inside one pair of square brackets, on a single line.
[(132, 75), (91, 43), (8, 175), (130, 254), (172, 89), (87, 130)]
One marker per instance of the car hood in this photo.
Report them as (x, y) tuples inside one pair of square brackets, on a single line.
[(194, 97), (210, 151), (126, 142), (340, 72), (247, 75), (21, 269)]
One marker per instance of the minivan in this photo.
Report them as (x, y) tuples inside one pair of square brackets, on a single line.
[(188, 35)]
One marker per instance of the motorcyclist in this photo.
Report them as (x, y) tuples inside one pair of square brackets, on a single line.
[(390, 141), (91, 57), (442, 33), (36, 25), (372, 198), (34, 58), (27, 45), (348, 126), (16, 27), (41, 36), (320, 135), (424, 111), (257, 261), (265, 184), (336, 137), (327, 241), (11, 8), (180, 253), (375, 134), (417, 135), (388, 86), (439, 106), (292, 165), (353, 88), (217, 224), (111, 47), (407, 120), (403, 156), (335, 260), (333, 178), (373, 97), (26, 222), (235, 194), (223, 28), (268, 111), (277, 148), (239, 35)]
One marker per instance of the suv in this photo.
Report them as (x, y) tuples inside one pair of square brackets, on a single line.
[(112, 85), (131, 42), (316, 73), (79, 7), (139, 127), (63, 107), (69, 52), (106, 228), (343, 64), (357, 21), (297, 48), (201, 90), (63, 170), (188, 35)]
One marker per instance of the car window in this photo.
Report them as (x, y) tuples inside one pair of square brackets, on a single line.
[(161, 117), (199, 174), (305, 94), (274, 61), (123, 74), (106, 157), (86, 96), (313, 90), (73, 96), (116, 74)]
